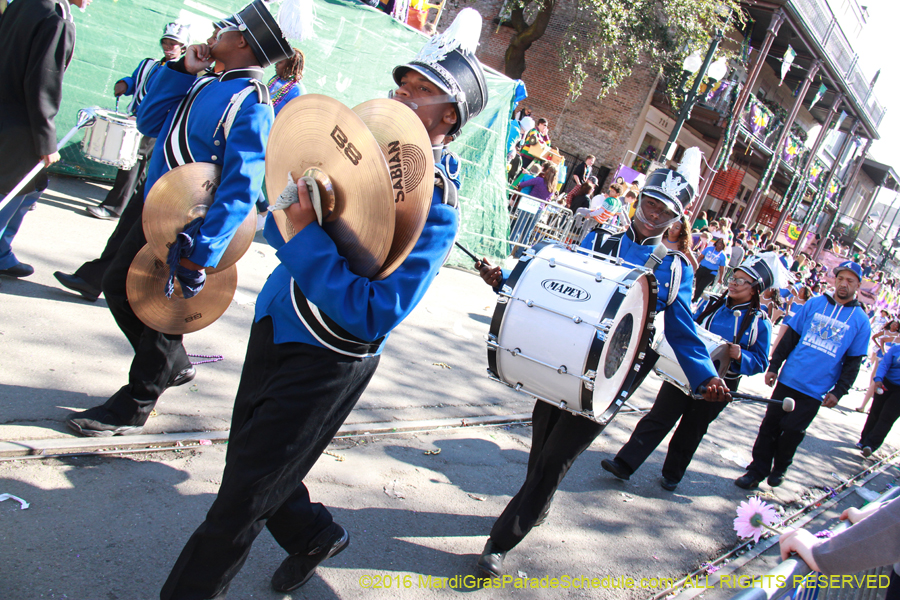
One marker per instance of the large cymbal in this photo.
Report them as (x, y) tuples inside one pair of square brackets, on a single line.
[(407, 149), (179, 197), (319, 136), (145, 284)]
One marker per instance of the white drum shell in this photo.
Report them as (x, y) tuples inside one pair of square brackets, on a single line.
[(667, 366), (113, 139), (563, 288)]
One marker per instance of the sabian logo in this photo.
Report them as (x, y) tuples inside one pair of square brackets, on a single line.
[(566, 290), (406, 163)]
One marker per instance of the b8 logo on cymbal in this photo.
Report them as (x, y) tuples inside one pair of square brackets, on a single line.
[(350, 151), (193, 317)]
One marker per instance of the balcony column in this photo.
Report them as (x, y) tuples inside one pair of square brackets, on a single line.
[(834, 169), (852, 180), (883, 214), (753, 204), (811, 156), (845, 185), (774, 25)]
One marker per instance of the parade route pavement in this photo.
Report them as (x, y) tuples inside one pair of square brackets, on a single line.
[(418, 505)]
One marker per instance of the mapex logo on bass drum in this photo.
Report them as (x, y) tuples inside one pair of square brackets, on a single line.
[(566, 290)]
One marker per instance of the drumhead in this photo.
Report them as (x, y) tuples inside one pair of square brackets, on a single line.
[(569, 327), (626, 342)]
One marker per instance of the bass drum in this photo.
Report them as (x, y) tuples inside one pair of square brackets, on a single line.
[(667, 366), (571, 328)]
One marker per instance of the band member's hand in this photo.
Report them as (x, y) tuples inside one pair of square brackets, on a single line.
[(802, 542), (189, 264), (49, 159), (716, 391), (301, 213), (490, 275), (830, 401), (770, 378), (120, 88), (734, 351), (197, 58)]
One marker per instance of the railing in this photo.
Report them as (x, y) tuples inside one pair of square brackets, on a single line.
[(819, 19)]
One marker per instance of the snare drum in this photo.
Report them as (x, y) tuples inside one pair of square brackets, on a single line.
[(667, 366), (112, 139), (570, 328)]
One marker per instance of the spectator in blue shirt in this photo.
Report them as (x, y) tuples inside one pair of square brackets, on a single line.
[(822, 349), (712, 267)]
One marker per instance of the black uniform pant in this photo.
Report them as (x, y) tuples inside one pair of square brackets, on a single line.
[(558, 437), (702, 279), (780, 433), (884, 413), (672, 404), (156, 355), (127, 181), (291, 401), (93, 271)]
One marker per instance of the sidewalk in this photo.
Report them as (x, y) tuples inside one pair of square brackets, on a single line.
[(111, 527)]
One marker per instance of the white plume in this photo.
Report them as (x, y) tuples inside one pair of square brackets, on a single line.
[(465, 29), (463, 33), (296, 19), (690, 166)]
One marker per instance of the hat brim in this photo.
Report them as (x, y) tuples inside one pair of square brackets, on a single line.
[(670, 204), (837, 270)]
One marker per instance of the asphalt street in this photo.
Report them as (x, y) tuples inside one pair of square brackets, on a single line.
[(418, 505)]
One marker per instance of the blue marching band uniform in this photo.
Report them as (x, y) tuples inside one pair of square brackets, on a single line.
[(222, 119), (315, 343), (672, 403)]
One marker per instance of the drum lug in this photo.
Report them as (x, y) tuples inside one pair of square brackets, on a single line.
[(552, 262), (562, 370), (603, 329), (589, 377)]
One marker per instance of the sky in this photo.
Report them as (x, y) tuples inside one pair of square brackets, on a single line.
[(875, 49)]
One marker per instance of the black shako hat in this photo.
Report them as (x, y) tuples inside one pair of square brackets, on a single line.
[(261, 31), (766, 269), (448, 61)]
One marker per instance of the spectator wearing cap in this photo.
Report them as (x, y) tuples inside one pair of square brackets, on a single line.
[(815, 363)]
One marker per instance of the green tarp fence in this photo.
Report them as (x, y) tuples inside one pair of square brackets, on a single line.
[(351, 59)]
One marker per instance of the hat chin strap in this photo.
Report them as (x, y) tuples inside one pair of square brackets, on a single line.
[(414, 104), (639, 215)]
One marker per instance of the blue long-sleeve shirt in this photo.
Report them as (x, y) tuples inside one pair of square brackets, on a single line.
[(755, 341), (365, 309), (242, 155), (889, 367)]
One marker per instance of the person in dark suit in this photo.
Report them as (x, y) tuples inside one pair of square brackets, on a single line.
[(39, 36)]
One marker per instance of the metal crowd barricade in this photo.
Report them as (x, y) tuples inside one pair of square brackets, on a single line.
[(533, 220), (795, 570)]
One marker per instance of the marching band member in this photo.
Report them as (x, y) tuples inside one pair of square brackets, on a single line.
[(815, 363), (174, 40), (315, 344), (558, 436), (128, 190), (186, 114), (734, 316)]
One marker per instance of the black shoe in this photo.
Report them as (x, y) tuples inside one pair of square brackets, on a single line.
[(867, 451), (19, 270), (668, 484), (775, 479), (617, 468), (100, 422), (182, 377), (100, 212), (77, 284), (297, 569), (490, 563), (747, 482)]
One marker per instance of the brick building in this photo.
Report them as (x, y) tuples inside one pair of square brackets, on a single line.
[(603, 127)]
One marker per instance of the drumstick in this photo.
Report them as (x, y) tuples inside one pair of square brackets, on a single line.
[(737, 315), (472, 256), (85, 116), (787, 405)]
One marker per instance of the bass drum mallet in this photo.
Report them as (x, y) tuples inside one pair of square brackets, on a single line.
[(787, 405)]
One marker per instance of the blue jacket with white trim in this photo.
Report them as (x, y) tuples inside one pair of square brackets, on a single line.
[(242, 155)]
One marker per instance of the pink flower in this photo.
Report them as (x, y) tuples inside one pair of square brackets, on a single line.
[(752, 516)]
